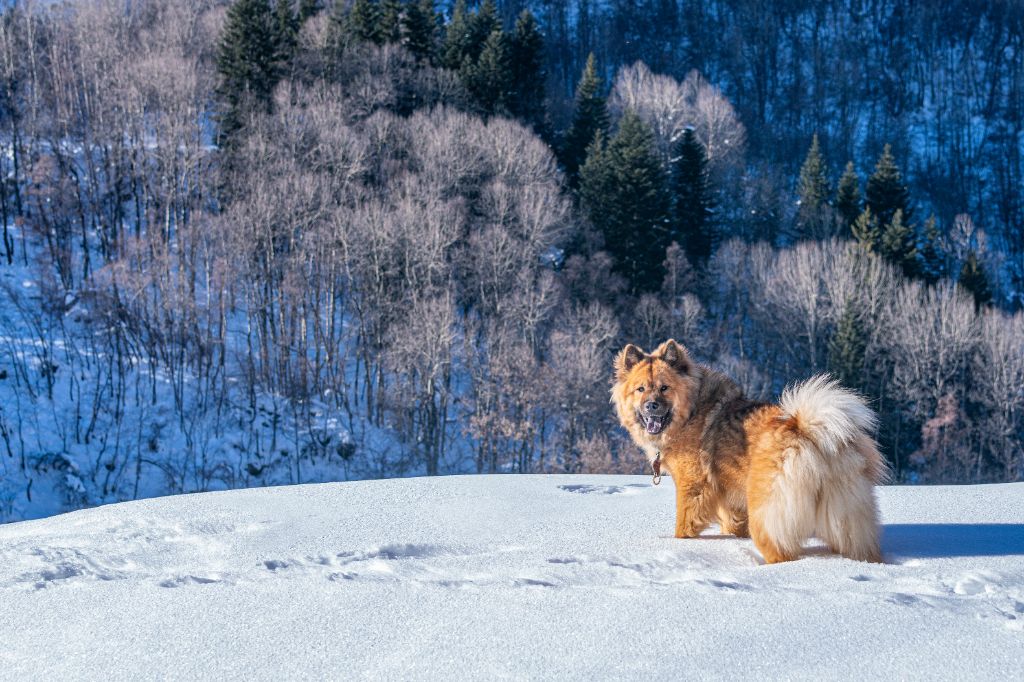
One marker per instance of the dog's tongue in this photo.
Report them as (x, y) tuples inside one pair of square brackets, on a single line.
[(653, 425)]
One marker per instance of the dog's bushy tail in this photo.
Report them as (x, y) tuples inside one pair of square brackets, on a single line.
[(826, 484), (830, 416)]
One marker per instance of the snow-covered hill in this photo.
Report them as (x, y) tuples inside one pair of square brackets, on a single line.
[(501, 576)]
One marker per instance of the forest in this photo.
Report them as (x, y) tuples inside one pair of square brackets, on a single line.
[(257, 242)]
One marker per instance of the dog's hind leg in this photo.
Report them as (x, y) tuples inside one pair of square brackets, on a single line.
[(732, 522), (772, 553), (777, 532), (847, 519), (781, 503)]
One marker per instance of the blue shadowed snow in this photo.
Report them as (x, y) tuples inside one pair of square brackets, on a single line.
[(953, 539)]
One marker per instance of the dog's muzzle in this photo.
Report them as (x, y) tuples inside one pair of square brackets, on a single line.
[(654, 417)]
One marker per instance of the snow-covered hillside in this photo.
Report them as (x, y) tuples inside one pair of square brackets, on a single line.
[(501, 576)]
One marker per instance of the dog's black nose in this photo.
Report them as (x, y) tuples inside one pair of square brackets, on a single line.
[(651, 406)]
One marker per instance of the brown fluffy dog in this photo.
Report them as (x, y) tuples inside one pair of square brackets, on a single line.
[(804, 467)]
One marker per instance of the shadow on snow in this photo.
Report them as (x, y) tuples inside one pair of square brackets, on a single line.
[(934, 540)]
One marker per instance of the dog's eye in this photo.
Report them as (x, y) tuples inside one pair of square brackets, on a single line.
[(639, 389), (664, 388)]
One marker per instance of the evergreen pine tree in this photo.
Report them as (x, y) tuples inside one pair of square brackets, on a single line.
[(389, 21), (456, 37), (693, 197), (933, 260), (897, 245), (528, 77), (815, 216), (848, 203), (597, 169), (623, 188), (287, 30), (419, 29), (482, 26), (364, 22), (248, 60), (886, 192), (846, 348), (866, 231), (974, 280), (489, 80), (589, 117)]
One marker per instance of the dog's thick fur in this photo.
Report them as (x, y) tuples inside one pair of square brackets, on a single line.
[(778, 473)]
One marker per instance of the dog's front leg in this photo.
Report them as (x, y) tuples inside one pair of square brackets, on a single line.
[(691, 518), (689, 523)]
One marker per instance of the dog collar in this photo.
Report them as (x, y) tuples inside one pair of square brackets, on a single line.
[(656, 467)]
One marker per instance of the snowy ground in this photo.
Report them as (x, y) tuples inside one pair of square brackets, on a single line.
[(501, 576)]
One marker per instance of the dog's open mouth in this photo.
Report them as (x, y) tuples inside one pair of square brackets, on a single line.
[(655, 424)]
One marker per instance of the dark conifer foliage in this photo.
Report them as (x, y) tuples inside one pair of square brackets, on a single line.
[(589, 117), (457, 37), (419, 29), (693, 197), (249, 63), (886, 192), (363, 21), (481, 26), (528, 75), (847, 348), (848, 199), (389, 26), (624, 190), (974, 280), (287, 30), (489, 79), (899, 246), (815, 218), (866, 231), (502, 72), (931, 254)]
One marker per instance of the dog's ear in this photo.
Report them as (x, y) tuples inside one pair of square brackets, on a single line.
[(626, 360), (675, 355)]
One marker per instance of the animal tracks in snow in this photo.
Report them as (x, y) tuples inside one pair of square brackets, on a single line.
[(398, 562), (63, 565), (462, 567), (170, 554), (178, 555), (213, 551), (979, 594), (183, 580)]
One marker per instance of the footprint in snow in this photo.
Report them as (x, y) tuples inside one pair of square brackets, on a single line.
[(408, 562), (726, 585), (904, 599), (977, 583), (65, 565), (182, 580)]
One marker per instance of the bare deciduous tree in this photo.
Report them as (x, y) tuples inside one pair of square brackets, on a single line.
[(670, 107)]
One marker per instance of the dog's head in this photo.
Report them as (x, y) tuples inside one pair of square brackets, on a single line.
[(652, 392)]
